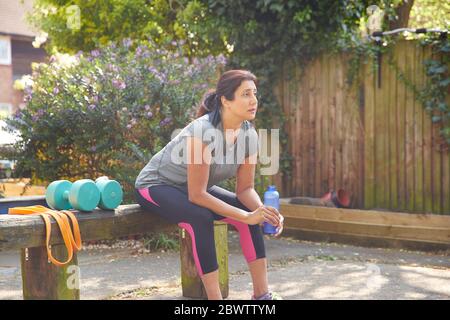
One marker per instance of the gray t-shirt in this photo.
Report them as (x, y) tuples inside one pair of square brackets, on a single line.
[(169, 165)]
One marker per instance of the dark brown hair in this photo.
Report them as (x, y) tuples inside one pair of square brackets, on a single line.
[(227, 86)]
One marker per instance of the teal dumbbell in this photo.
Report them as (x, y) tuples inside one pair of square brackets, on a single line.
[(81, 195), (111, 194)]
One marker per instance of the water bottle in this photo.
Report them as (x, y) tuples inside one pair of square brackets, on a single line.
[(271, 198)]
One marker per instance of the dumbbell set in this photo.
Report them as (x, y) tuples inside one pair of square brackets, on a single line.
[(84, 195)]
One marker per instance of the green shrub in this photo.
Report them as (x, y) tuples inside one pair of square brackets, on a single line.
[(107, 112), (161, 241)]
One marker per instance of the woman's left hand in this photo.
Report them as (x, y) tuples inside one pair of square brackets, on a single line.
[(280, 224)]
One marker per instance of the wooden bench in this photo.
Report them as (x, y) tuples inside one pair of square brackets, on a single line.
[(43, 280)]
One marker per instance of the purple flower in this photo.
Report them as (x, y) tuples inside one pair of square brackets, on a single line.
[(40, 112), (221, 59), (94, 148), (174, 43), (119, 84), (52, 59), (55, 90), (165, 121), (127, 42), (149, 115), (95, 53), (189, 72), (147, 107), (92, 107), (161, 77), (35, 118), (113, 67), (138, 51), (18, 114), (95, 99), (152, 70), (28, 90)]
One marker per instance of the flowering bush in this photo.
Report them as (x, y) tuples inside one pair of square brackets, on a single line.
[(108, 111)]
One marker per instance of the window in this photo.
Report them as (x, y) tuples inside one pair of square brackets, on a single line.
[(5, 51)]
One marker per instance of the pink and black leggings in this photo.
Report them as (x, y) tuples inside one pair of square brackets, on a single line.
[(172, 204)]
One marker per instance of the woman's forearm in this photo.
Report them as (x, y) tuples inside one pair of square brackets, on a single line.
[(207, 200), (250, 198)]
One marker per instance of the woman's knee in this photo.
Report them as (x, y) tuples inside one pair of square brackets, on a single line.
[(201, 217)]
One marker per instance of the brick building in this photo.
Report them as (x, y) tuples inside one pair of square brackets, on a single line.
[(16, 52)]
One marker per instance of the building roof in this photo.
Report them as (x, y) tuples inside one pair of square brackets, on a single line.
[(13, 18)]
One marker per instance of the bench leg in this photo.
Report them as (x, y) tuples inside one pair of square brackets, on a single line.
[(191, 282), (42, 280)]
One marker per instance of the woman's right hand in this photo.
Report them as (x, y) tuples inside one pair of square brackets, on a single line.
[(263, 214)]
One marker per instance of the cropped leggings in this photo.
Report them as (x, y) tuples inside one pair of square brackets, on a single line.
[(173, 205)]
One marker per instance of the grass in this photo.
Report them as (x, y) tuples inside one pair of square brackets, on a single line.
[(161, 241)]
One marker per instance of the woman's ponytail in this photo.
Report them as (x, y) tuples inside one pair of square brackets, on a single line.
[(209, 103)]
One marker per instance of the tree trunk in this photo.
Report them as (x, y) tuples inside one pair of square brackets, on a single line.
[(403, 11)]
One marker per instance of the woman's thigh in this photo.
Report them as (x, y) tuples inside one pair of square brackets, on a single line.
[(172, 204)]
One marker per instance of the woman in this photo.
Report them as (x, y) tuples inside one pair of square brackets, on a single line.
[(183, 190)]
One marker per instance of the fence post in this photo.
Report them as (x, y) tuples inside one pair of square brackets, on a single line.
[(42, 280)]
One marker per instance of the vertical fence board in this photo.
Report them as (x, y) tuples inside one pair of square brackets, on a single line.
[(409, 133), (325, 119), (418, 134), (436, 166), (301, 88), (427, 151), (379, 140), (318, 128), (400, 132), (369, 136), (446, 176), (332, 134), (339, 105), (393, 168), (312, 129)]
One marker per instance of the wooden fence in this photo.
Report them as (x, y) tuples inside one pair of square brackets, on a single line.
[(373, 139)]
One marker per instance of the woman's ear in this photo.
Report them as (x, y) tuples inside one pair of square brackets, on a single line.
[(224, 101)]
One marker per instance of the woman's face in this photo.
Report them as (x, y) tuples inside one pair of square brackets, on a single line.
[(245, 103)]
